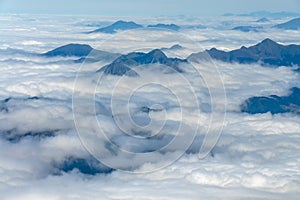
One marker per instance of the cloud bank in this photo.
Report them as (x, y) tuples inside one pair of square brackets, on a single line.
[(42, 156)]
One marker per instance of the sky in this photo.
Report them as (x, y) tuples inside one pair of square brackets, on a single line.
[(145, 7)]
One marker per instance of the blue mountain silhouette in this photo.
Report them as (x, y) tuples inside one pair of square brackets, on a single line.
[(173, 27), (274, 104), (124, 64), (293, 24), (266, 52), (119, 25)]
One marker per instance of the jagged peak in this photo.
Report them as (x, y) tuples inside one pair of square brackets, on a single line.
[(268, 41), (266, 44), (157, 53)]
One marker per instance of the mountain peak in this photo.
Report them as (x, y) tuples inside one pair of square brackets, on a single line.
[(118, 25), (174, 47), (267, 52), (157, 54), (268, 43), (122, 65), (121, 22), (262, 20), (154, 56), (70, 50)]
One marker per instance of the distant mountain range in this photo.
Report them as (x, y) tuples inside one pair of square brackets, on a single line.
[(175, 47), (266, 52), (86, 52), (263, 20), (124, 65), (124, 25), (293, 24), (119, 25), (165, 26), (248, 28), (274, 104), (274, 15)]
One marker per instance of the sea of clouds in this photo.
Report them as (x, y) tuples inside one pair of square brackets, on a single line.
[(51, 111)]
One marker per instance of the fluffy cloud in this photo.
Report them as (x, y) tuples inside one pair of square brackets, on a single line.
[(256, 156)]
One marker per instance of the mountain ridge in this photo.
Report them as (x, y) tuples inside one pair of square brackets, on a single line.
[(293, 24), (267, 52), (247, 28), (72, 49), (173, 27), (274, 104), (118, 25), (123, 65), (84, 51)]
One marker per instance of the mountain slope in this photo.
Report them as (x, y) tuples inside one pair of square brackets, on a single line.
[(70, 50), (293, 24), (175, 47), (247, 28), (274, 15), (119, 25), (124, 65), (84, 51), (273, 104), (173, 27), (263, 20), (266, 52)]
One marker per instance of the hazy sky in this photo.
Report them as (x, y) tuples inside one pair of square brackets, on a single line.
[(146, 7)]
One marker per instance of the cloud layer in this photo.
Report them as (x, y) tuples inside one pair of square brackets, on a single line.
[(256, 157)]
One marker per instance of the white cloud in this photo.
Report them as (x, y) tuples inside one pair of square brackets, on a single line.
[(257, 156)]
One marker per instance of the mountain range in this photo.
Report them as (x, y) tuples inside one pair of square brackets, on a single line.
[(274, 15), (78, 50), (274, 104), (267, 52), (124, 65), (119, 25), (175, 47), (165, 26), (263, 20), (124, 25), (86, 52), (293, 24), (247, 28)]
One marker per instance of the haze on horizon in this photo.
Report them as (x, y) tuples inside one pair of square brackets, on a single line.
[(146, 8)]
